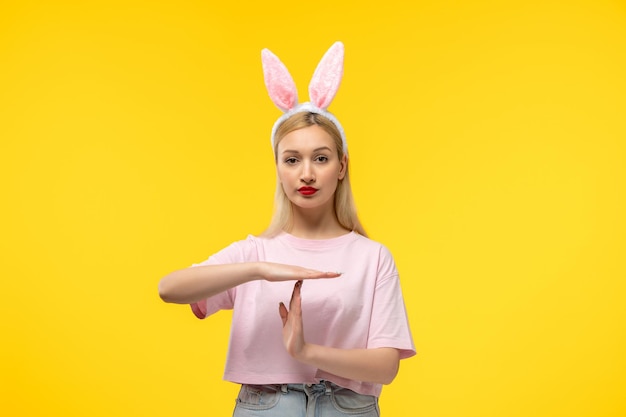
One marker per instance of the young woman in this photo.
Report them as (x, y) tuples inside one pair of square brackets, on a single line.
[(345, 328)]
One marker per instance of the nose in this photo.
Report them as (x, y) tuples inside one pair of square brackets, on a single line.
[(307, 175)]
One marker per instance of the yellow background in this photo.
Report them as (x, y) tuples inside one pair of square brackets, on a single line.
[(487, 145)]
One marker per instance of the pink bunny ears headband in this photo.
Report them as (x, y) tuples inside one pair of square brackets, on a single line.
[(322, 88)]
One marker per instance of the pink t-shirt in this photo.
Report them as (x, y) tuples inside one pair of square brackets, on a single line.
[(363, 308)]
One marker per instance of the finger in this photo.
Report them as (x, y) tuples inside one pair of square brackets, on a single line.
[(284, 314), (296, 305), (296, 290), (312, 274)]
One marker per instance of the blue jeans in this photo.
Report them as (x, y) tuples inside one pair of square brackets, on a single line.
[(303, 400)]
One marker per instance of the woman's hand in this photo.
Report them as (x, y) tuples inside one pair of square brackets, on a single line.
[(379, 365), (280, 272), (293, 331)]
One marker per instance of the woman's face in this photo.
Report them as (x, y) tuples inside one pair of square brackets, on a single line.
[(308, 167)]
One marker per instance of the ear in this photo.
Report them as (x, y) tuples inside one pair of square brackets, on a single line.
[(279, 83), (327, 77), (344, 167)]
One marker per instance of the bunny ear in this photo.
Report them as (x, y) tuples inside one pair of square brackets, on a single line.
[(278, 81), (327, 77)]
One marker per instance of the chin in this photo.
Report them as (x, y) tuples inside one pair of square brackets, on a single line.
[(309, 203)]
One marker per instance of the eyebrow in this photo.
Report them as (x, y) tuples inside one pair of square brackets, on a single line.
[(314, 150)]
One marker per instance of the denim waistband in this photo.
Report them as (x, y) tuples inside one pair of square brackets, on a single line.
[(322, 398), (323, 387)]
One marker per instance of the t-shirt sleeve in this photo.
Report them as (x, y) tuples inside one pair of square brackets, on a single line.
[(389, 325), (241, 251)]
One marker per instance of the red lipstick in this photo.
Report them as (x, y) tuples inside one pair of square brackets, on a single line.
[(307, 190)]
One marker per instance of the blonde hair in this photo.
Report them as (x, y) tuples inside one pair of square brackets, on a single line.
[(345, 209)]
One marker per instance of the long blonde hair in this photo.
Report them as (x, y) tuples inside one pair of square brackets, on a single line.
[(345, 209)]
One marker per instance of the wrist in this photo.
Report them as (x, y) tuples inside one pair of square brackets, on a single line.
[(259, 271), (307, 353)]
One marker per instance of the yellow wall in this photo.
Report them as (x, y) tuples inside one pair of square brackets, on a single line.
[(487, 145)]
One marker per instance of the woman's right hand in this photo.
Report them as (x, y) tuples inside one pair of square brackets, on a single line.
[(190, 285), (276, 272)]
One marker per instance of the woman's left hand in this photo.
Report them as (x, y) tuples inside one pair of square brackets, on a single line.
[(293, 331), (379, 365)]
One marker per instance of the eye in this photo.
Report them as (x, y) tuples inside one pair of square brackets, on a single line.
[(321, 158), (291, 160)]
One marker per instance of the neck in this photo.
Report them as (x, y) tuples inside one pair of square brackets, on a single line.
[(316, 224)]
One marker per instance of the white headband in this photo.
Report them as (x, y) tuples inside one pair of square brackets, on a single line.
[(322, 88)]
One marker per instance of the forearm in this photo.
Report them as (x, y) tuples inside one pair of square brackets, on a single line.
[(369, 365), (194, 284)]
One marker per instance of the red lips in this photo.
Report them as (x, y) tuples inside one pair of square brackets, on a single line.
[(307, 190)]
